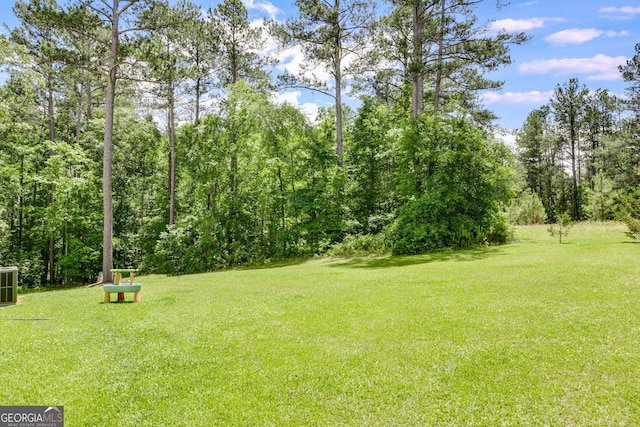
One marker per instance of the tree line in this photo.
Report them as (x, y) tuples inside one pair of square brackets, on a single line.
[(146, 133), (580, 154)]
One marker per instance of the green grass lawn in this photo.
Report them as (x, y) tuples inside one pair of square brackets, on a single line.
[(532, 333)]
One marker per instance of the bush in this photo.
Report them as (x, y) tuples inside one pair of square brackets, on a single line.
[(562, 227), (177, 251), (427, 225), (527, 209), (456, 184), (629, 211), (30, 268), (361, 245), (633, 224), (500, 232)]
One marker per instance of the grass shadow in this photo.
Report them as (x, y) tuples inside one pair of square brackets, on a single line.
[(269, 265), (464, 255), (118, 302)]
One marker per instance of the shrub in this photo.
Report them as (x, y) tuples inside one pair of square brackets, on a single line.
[(562, 227), (428, 224), (500, 232), (30, 268), (177, 251), (455, 187), (527, 209), (633, 224), (361, 245), (629, 211)]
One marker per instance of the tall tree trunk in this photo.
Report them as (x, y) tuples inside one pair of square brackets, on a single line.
[(574, 170), (337, 70), (233, 172), (417, 81), (172, 154), (339, 137), (438, 88), (417, 77), (89, 99), (52, 136), (233, 161), (20, 204), (198, 90), (79, 113), (107, 161)]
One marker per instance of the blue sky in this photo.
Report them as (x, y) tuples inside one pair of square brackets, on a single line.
[(586, 39)]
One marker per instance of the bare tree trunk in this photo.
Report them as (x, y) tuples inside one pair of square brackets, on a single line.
[(337, 71), (172, 154), (575, 199), (339, 125), (438, 88), (89, 99), (79, 113), (52, 136), (417, 81), (417, 78), (198, 90), (107, 238), (21, 203), (233, 172)]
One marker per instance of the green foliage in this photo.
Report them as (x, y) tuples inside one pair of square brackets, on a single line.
[(631, 74), (629, 202), (501, 231), (369, 159), (633, 225), (562, 226), (255, 181), (601, 200), (31, 270), (361, 245), (176, 251), (420, 227), (580, 151), (459, 180), (629, 211), (526, 209)]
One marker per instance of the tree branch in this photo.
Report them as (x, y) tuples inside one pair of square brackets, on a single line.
[(124, 9), (98, 10)]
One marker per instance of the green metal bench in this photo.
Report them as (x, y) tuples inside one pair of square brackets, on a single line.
[(120, 289)]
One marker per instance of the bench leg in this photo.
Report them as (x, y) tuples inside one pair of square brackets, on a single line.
[(107, 297), (136, 296)]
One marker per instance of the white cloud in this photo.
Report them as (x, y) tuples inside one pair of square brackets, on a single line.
[(270, 43), (620, 13), (264, 6), (292, 60), (507, 136), (512, 25), (600, 67), (529, 3), (581, 35), (629, 10), (292, 98), (514, 98)]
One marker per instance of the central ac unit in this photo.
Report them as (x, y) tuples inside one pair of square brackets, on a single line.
[(8, 285)]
